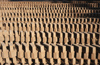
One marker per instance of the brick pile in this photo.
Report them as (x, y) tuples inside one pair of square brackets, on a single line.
[(33, 33)]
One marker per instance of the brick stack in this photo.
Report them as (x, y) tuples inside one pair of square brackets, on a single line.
[(33, 33)]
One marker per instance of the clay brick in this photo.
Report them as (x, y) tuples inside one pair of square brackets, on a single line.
[(27, 36), (59, 27), (26, 50), (6, 37), (70, 50), (85, 52), (68, 27), (55, 51), (23, 27), (11, 26), (81, 27), (17, 38), (77, 38), (33, 51), (95, 28), (43, 37), (28, 26), (66, 38), (54, 37), (1, 26), (7, 27), (37, 27), (32, 26), (20, 52), (19, 27), (50, 27), (12, 52), (62, 50), (41, 27), (49, 40), (78, 50), (4, 51), (1, 36), (82, 38), (63, 27), (38, 38), (41, 50), (92, 50), (15, 26), (60, 37), (33, 39), (11, 36), (54, 27), (72, 38)]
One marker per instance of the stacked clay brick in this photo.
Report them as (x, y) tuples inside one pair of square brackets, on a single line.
[(33, 33)]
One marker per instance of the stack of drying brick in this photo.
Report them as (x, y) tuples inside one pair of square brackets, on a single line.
[(47, 33)]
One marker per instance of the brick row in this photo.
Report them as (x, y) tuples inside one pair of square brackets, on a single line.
[(45, 53), (50, 15), (49, 37), (36, 4), (50, 20), (50, 27)]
